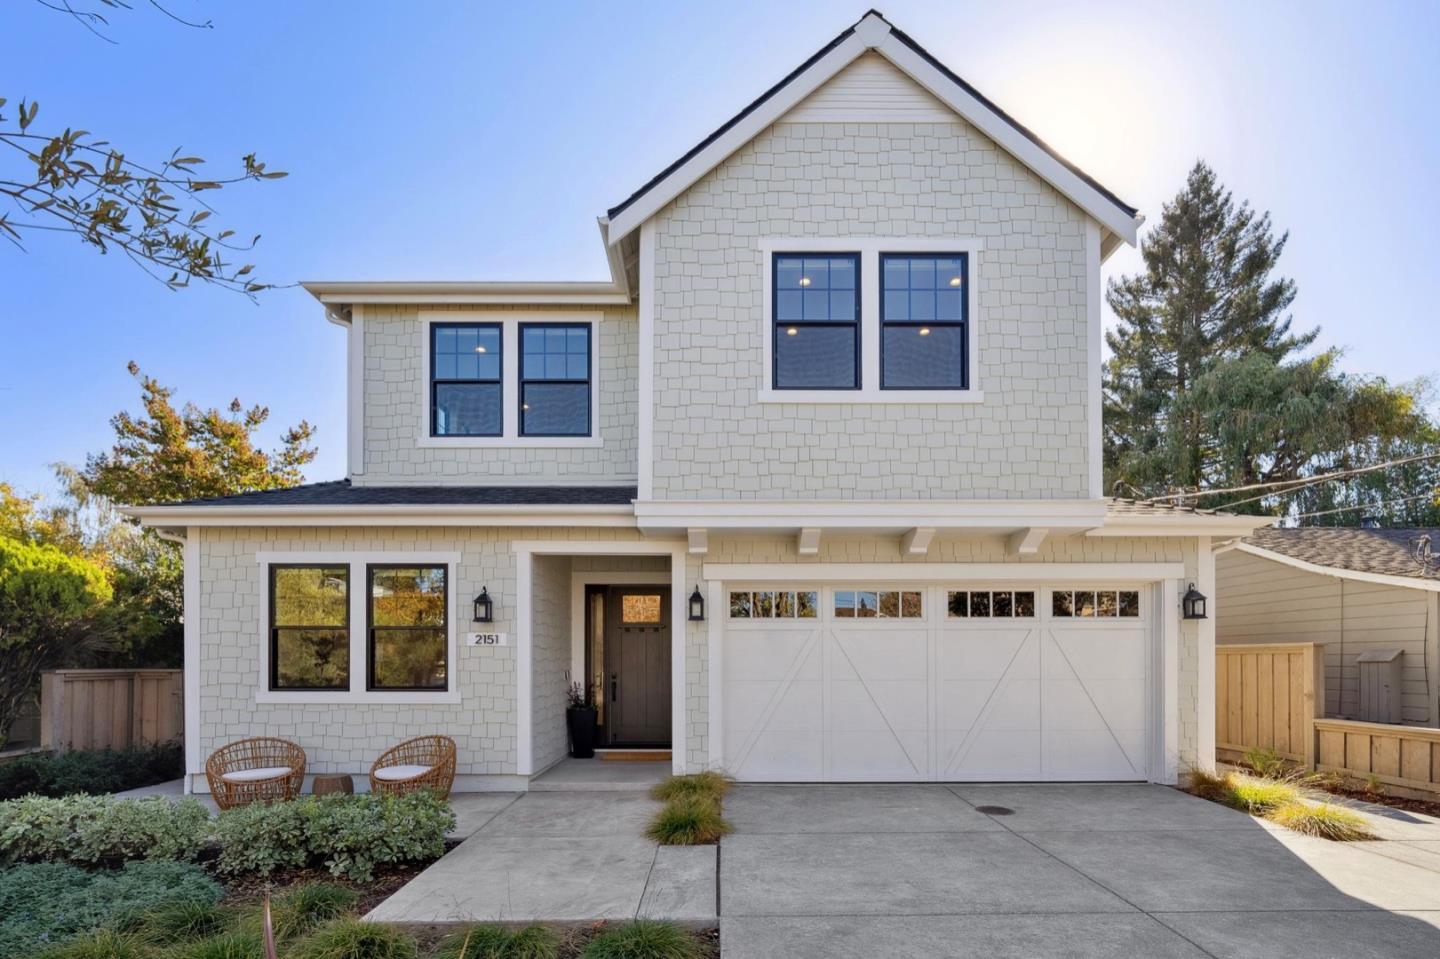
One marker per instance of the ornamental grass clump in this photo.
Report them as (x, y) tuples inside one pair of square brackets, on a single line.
[(303, 908), (643, 940), (497, 942), (354, 939), (708, 783), (1326, 820), (1260, 796), (688, 821)]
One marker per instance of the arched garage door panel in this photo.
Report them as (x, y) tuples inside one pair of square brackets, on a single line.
[(1038, 698)]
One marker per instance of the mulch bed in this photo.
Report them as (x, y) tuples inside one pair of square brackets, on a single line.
[(245, 890), (1426, 806)]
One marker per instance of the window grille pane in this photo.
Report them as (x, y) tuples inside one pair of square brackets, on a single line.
[(1025, 604), (409, 596), (740, 605), (1129, 603), (640, 609), (311, 659), (408, 659), (310, 595), (815, 357), (468, 409), (555, 409), (807, 605), (923, 357), (959, 605)]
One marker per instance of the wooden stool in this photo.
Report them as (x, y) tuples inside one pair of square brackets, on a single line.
[(331, 784)]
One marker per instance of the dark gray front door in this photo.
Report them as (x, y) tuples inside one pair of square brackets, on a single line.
[(637, 668)]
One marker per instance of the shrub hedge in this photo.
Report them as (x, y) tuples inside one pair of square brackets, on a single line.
[(349, 835), (94, 772), (44, 904)]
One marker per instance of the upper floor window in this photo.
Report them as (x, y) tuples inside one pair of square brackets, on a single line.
[(465, 392), (816, 321), (923, 317), (554, 379), (309, 627)]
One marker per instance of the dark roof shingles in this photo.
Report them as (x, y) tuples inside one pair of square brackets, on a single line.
[(1387, 552), (343, 493)]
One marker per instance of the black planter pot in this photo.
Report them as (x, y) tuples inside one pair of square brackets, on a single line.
[(582, 731)]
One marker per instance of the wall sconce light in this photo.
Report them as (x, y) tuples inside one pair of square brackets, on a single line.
[(1194, 604), (484, 607), (697, 606)]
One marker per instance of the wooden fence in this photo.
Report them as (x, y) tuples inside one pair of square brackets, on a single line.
[(1269, 697), (1404, 756), (110, 708)]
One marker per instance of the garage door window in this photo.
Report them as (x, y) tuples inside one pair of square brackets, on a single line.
[(774, 604), (1095, 604), (991, 604), (879, 604)]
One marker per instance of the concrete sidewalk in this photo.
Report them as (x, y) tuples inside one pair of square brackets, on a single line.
[(562, 857), (1065, 870)]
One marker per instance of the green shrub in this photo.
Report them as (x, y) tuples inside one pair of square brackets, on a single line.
[(349, 835), (688, 821), (1325, 820), (354, 939), (96, 829), (46, 903), (708, 783), (643, 940), (93, 771), (302, 908)]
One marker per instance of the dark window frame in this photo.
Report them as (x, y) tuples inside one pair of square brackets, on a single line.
[(435, 381), (856, 325), (274, 631), (963, 323), (371, 628), (522, 380)]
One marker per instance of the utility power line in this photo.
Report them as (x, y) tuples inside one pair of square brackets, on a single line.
[(1299, 482), (1381, 505)]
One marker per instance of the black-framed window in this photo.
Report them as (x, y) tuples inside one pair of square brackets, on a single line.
[(816, 321), (924, 341), (407, 626), (309, 627), (466, 398), (555, 379)]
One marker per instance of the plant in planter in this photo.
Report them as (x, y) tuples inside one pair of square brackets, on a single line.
[(580, 718)]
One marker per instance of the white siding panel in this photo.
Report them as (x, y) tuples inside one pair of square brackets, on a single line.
[(1262, 601), (870, 89)]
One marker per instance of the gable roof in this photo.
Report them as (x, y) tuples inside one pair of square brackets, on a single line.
[(874, 32), (1375, 552)]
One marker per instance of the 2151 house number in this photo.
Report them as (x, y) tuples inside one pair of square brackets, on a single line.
[(489, 639)]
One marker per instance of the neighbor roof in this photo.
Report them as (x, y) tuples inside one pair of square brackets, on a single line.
[(873, 31), (342, 493), (1381, 552)]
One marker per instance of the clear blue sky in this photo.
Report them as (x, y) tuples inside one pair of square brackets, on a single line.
[(479, 141)]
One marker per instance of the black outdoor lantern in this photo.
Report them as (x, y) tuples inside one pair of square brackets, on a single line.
[(1194, 603), (484, 607), (697, 606)]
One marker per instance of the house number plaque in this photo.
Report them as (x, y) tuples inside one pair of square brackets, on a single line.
[(489, 639)]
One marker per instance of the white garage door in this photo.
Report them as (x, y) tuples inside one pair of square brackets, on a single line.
[(994, 682)]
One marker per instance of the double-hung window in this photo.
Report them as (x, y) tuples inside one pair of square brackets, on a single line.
[(924, 340), (816, 321), (554, 379), (465, 391), (407, 642), (309, 627)]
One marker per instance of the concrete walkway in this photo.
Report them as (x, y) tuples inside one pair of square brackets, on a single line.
[(1140, 872), (564, 856)]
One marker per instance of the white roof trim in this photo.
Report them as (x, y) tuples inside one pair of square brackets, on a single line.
[(1383, 579), (344, 292), (874, 33), (392, 515)]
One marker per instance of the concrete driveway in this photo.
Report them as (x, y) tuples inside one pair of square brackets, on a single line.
[(1134, 871)]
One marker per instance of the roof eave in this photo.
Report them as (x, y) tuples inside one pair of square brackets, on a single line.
[(336, 293), (383, 515), (1386, 579), (1219, 526)]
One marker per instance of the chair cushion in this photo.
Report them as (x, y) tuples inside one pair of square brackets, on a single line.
[(255, 775), (392, 774)]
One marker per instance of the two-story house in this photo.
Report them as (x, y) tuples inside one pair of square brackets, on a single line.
[(809, 490)]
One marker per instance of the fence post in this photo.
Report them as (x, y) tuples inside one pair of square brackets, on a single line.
[(1313, 668)]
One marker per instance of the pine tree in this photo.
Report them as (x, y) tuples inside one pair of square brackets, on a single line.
[(1206, 296)]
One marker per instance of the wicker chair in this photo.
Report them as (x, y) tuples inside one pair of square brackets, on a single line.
[(426, 762), (255, 770)]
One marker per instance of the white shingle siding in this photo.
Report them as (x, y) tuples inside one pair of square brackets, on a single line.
[(1026, 440), (395, 418), (550, 661)]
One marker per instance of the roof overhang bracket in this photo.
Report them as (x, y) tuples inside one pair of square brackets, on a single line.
[(917, 541), (1026, 542)]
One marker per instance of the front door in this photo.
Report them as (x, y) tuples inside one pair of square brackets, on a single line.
[(637, 665)]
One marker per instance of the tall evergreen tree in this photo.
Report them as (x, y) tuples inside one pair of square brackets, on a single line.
[(1206, 296)]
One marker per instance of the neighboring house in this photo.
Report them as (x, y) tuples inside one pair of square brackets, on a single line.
[(1358, 591), (843, 386)]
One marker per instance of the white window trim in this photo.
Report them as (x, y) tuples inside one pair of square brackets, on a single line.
[(870, 249), (509, 322), (359, 660)]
